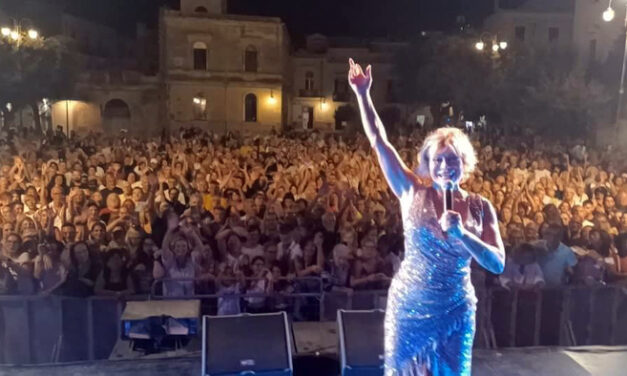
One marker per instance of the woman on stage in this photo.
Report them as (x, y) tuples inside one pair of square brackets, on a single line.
[(430, 318)]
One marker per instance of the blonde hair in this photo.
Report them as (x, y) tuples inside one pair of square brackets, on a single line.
[(443, 137)]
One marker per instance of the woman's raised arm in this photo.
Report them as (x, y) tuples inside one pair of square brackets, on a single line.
[(399, 177)]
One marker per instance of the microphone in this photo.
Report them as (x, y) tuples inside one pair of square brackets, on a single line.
[(448, 197)]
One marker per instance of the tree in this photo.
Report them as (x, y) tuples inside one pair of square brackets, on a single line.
[(448, 69), (33, 70), (517, 88)]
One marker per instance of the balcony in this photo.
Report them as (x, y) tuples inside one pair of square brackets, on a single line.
[(309, 93), (341, 97)]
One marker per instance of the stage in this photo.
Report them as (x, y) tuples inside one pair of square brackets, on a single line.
[(587, 361)]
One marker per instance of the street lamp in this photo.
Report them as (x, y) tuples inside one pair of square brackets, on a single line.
[(609, 13), (496, 45), (19, 32), (608, 16)]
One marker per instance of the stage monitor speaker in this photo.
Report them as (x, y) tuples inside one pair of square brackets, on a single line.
[(361, 342), (246, 345)]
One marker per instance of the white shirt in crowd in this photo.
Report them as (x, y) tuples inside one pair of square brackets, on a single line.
[(253, 252)]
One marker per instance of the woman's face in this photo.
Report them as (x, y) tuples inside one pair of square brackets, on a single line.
[(500, 196), (446, 167), (180, 248), (258, 266), (506, 215), (28, 225), (609, 202), (97, 232), (149, 246)]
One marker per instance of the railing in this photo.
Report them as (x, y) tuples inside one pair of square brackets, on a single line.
[(62, 329), (309, 93)]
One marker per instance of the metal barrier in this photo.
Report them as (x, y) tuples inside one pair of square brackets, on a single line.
[(62, 329)]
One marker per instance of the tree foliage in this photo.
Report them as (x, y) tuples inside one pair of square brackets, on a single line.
[(518, 88), (35, 70)]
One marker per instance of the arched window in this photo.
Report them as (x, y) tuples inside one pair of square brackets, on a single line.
[(116, 108), (250, 59), (250, 108), (200, 56), (201, 10), (309, 80)]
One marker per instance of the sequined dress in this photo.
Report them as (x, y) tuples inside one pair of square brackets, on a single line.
[(430, 317)]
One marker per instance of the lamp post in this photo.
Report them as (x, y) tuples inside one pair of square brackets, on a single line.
[(608, 16), (19, 32), (16, 36), (487, 39)]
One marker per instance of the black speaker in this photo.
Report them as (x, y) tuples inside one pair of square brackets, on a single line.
[(361, 342), (246, 345)]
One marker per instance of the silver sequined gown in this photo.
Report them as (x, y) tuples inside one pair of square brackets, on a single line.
[(430, 317)]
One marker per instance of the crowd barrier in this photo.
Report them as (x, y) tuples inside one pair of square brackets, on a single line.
[(36, 330)]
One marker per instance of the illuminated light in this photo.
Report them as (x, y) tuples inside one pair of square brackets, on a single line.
[(197, 100), (609, 14), (323, 105), (15, 35), (33, 34), (271, 99), (9, 107), (479, 46), (5, 31), (503, 45), (495, 47)]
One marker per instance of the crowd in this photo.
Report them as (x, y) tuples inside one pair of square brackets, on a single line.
[(206, 214)]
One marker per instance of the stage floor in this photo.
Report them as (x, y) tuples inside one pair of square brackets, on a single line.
[(584, 361), (589, 361)]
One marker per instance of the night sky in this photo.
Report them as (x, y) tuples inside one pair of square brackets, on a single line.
[(359, 18)]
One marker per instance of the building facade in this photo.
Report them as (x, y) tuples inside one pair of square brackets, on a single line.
[(559, 25), (321, 96), (223, 72), (536, 24), (218, 71)]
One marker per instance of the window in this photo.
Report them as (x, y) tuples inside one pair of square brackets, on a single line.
[(309, 81), (200, 107), (391, 91), (554, 34), (593, 50), (200, 56), (200, 10), (250, 108), (341, 85), (250, 59), (520, 33)]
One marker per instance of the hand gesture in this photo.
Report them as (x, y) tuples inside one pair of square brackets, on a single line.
[(451, 223), (359, 80)]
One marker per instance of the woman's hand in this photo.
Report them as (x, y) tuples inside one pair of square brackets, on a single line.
[(359, 80), (451, 223)]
